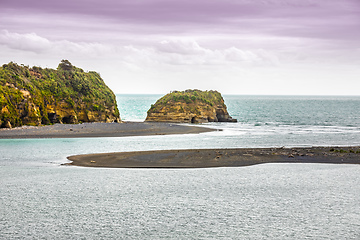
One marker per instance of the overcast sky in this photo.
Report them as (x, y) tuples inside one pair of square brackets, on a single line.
[(272, 47)]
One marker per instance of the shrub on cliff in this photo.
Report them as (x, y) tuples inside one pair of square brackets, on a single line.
[(191, 96)]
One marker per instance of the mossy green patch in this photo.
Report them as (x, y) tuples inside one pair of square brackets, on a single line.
[(210, 98), (21, 85)]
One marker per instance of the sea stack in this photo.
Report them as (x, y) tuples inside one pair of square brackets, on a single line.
[(190, 106), (36, 96)]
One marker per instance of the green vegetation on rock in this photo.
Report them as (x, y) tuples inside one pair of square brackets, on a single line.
[(191, 96), (190, 106), (34, 96)]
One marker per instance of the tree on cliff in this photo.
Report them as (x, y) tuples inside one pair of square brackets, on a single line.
[(65, 65)]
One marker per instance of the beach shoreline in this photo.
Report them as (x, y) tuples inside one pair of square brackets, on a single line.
[(90, 130), (207, 158)]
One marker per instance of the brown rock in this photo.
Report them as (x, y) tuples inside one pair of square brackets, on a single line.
[(7, 124), (190, 106)]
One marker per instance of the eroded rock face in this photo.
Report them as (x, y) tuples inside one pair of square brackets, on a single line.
[(35, 96), (190, 106)]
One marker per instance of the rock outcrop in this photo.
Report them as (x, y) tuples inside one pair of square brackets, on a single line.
[(190, 106), (35, 96)]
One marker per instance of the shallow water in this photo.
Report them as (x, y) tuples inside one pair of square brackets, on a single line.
[(40, 198), (270, 201)]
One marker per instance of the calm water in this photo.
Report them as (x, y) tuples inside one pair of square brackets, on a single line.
[(39, 198), (267, 121)]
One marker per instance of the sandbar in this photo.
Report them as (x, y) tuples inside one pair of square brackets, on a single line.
[(123, 129), (206, 158)]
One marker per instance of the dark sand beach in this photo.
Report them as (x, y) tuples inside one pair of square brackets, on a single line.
[(123, 129), (192, 158), (204, 158)]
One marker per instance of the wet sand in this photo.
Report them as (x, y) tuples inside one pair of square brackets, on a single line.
[(204, 158), (123, 129)]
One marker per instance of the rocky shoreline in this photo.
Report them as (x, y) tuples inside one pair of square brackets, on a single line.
[(205, 158)]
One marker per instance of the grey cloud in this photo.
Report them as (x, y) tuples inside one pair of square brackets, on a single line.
[(181, 47), (191, 52), (34, 43), (28, 42)]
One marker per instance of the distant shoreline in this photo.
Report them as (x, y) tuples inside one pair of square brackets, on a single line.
[(90, 130), (206, 158)]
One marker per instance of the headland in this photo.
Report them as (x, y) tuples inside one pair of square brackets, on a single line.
[(36, 96)]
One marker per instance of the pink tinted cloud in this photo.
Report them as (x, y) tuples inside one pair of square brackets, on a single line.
[(219, 31), (298, 18)]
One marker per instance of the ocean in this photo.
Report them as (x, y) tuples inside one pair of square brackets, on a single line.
[(42, 199)]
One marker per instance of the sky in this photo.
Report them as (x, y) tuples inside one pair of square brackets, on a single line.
[(265, 47)]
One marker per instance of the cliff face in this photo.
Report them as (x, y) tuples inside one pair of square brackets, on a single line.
[(35, 96), (190, 106)]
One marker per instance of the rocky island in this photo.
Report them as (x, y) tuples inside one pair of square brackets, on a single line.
[(37, 96), (190, 106)]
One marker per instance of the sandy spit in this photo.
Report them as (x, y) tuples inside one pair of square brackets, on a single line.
[(203, 158), (123, 129)]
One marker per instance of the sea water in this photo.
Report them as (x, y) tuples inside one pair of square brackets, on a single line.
[(42, 199), (268, 121)]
